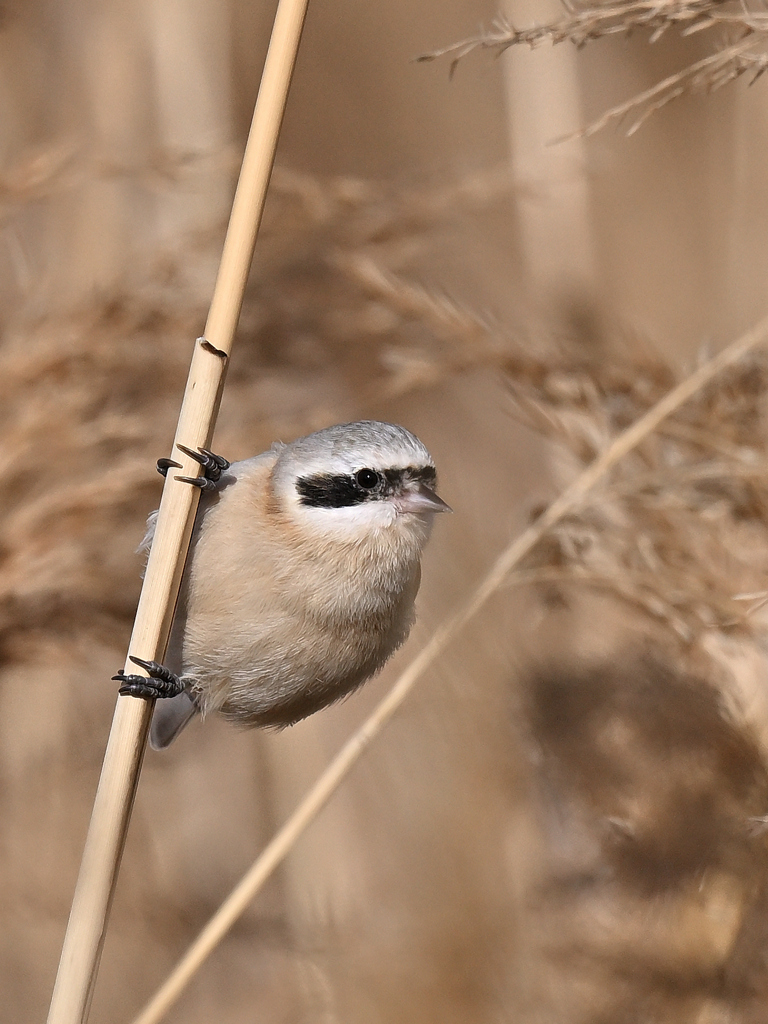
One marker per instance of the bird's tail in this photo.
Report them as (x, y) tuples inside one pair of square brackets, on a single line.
[(169, 718)]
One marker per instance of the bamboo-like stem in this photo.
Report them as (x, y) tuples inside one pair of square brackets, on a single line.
[(317, 797), (105, 841)]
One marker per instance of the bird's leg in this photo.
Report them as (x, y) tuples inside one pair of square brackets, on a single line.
[(212, 465), (160, 683)]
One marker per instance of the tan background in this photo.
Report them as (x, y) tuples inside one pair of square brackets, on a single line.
[(421, 894)]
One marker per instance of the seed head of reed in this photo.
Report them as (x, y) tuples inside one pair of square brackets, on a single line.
[(738, 45)]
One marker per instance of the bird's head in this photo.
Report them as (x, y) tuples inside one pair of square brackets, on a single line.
[(358, 479)]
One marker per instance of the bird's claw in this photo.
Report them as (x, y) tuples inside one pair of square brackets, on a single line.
[(163, 465), (160, 683), (212, 465), (197, 481)]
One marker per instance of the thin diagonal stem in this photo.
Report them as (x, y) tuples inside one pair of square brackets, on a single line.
[(317, 797)]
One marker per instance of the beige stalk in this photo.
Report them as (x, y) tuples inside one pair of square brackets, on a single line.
[(105, 841)]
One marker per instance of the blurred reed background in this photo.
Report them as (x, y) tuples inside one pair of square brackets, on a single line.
[(566, 821)]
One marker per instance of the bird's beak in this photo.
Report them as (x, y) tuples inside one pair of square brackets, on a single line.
[(420, 499)]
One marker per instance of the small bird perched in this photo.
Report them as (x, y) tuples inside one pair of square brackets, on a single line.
[(301, 577)]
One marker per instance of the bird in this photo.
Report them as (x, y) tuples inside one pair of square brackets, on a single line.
[(300, 582)]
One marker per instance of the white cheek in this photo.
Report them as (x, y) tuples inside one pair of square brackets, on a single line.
[(367, 517)]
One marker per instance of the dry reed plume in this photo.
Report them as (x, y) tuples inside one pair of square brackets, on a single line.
[(562, 838), (626, 442), (89, 390), (654, 768), (84, 410), (677, 532), (740, 48)]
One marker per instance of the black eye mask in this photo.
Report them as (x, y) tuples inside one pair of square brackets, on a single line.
[(328, 490)]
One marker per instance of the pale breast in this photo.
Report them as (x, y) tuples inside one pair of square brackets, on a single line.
[(276, 628)]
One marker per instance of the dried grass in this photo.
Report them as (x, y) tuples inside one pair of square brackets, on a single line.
[(333, 326), (539, 838), (328, 298), (654, 897), (676, 533), (568, 503), (679, 530), (740, 48)]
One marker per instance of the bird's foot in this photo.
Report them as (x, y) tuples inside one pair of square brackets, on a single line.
[(160, 683), (212, 465)]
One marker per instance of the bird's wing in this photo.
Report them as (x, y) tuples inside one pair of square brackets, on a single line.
[(171, 715)]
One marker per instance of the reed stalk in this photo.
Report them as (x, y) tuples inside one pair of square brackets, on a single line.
[(86, 930)]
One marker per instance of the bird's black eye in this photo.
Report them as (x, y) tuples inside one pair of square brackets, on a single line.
[(367, 478)]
